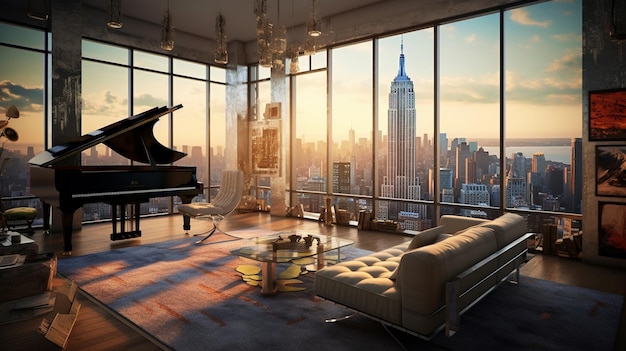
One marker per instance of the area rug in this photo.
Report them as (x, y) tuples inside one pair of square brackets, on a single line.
[(190, 297)]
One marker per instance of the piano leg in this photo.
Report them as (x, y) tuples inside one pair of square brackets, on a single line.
[(46, 217), (123, 233), (67, 220), (186, 219)]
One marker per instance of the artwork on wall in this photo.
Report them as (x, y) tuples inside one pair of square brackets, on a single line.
[(607, 115), (265, 147), (611, 170), (272, 110), (612, 229)]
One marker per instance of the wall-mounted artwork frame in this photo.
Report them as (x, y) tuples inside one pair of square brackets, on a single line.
[(607, 115), (611, 170), (272, 110), (265, 147), (611, 229)]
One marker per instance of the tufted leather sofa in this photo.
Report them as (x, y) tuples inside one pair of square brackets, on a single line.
[(424, 285)]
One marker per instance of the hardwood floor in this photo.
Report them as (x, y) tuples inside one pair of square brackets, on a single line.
[(98, 329)]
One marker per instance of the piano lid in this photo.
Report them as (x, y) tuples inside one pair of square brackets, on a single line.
[(131, 137)]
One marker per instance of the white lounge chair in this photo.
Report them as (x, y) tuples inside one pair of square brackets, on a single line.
[(223, 204)]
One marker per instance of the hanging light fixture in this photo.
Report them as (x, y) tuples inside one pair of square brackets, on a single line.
[(265, 42), (114, 14), (221, 52), (294, 54), (167, 31), (264, 33), (279, 42), (314, 25)]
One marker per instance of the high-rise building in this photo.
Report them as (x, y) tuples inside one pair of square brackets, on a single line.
[(341, 177), (474, 194), (401, 180), (539, 163), (576, 179)]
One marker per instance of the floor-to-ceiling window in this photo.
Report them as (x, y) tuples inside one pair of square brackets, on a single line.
[(119, 82), (25, 55), (469, 115), (543, 129), (493, 101), (351, 170), (310, 149)]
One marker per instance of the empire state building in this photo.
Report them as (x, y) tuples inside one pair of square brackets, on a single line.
[(401, 181)]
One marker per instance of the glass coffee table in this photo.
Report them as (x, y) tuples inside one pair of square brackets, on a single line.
[(284, 247)]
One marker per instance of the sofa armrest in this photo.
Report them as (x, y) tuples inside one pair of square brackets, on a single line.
[(453, 287)]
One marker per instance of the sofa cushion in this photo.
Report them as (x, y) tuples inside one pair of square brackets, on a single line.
[(426, 237), (423, 272), (454, 223), (507, 228), (364, 284), (439, 238)]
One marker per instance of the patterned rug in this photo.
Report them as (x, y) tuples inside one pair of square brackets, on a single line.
[(191, 297)]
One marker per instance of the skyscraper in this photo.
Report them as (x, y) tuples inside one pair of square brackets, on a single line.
[(576, 180), (401, 179)]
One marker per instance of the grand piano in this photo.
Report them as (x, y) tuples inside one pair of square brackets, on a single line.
[(68, 187)]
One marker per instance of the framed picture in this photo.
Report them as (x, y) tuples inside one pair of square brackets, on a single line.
[(611, 170), (611, 229), (272, 110), (607, 115), (265, 147)]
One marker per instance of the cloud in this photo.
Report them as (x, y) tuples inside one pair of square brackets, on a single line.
[(567, 37), (571, 61), (149, 100), (470, 38), (521, 16), (549, 90), (24, 98)]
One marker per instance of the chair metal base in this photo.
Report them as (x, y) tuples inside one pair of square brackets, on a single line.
[(210, 232)]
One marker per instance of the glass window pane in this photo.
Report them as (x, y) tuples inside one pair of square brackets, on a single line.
[(405, 120), (352, 120), (263, 72), (189, 69), (150, 61), (104, 101), (105, 52), (217, 134), (217, 74), (21, 36), (190, 126), (309, 150), (469, 110), (543, 106), (318, 60), (22, 86)]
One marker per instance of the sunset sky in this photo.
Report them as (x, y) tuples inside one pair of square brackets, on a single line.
[(543, 50)]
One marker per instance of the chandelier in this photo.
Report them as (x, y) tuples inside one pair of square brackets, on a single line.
[(167, 31), (114, 14), (221, 52)]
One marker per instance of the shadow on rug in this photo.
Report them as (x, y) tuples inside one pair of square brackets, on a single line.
[(191, 297)]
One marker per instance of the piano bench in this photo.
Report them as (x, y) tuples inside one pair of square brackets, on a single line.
[(19, 216)]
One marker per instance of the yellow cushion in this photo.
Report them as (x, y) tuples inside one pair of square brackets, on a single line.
[(23, 213)]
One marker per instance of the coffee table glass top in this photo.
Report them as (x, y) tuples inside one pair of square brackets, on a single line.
[(286, 246)]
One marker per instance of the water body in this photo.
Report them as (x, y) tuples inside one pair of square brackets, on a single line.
[(552, 153)]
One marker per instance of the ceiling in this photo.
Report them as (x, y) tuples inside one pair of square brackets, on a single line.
[(197, 17)]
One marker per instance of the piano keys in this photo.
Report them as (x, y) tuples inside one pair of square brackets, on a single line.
[(69, 187)]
